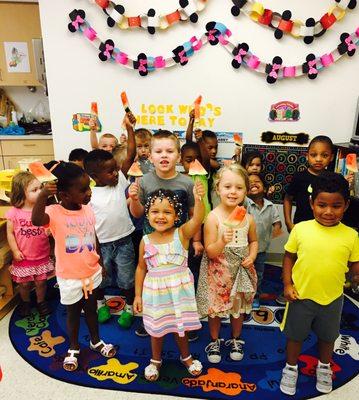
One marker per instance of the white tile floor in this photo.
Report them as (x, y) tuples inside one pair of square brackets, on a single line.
[(22, 382)]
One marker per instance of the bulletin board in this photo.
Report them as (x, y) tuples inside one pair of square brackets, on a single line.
[(280, 164)]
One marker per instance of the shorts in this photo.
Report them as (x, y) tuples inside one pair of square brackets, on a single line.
[(72, 290), (303, 316), (119, 260), (31, 270)]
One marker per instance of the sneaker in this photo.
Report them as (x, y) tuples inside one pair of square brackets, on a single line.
[(281, 300), (324, 379), (192, 336), (213, 351), (141, 331), (288, 383), (256, 305), (237, 352)]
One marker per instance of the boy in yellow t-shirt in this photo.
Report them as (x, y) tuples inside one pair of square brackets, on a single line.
[(316, 259)]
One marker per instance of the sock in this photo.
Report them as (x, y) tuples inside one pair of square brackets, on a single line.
[(292, 366), (101, 303), (129, 308), (320, 364)]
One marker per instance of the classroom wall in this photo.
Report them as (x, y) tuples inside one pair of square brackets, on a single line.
[(76, 76)]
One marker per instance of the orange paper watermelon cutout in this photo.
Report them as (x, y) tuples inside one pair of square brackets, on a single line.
[(197, 107), (351, 161), (94, 109), (41, 173), (235, 217), (196, 168), (135, 170), (125, 101), (237, 139)]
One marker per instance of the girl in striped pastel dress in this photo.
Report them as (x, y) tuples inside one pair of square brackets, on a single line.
[(163, 282)]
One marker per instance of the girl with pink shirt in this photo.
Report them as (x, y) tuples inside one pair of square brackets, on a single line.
[(29, 244), (78, 272)]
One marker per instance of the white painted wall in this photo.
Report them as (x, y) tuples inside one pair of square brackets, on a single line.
[(76, 76)]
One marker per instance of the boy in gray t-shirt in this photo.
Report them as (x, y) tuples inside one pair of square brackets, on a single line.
[(181, 185)]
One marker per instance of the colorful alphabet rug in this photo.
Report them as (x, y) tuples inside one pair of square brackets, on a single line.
[(43, 343)]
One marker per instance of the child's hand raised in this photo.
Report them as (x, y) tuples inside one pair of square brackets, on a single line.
[(134, 190), (228, 235), (198, 134), (93, 123), (50, 189), (129, 120), (290, 292), (198, 191), (137, 305)]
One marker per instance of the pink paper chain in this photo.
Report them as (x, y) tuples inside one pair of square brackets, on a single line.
[(150, 64)]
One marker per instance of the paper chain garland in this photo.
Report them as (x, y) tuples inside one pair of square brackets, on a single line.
[(282, 23), (187, 10), (216, 32)]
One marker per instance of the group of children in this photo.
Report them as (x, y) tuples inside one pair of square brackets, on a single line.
[(103, 231)]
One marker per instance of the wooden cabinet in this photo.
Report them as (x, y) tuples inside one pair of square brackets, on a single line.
[(13, 150), (8, 291), (19, 22)]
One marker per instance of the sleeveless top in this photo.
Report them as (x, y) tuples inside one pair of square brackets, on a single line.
[(240, 237)]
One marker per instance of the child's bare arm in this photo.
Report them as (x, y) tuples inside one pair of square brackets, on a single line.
[(252, 244), (18, 256), (290, 292), (189, 131), (213, 244), (130, 121), (136, 208), (93, 133), (192, 227), (140, 275), (354, 268), (287, 209), (39, 217)]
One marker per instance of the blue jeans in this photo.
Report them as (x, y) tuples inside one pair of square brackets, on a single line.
[(259, 266), (119, 259)]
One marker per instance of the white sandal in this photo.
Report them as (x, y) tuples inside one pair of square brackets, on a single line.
[(105, 350), (152, 371), (71, 360), (195, 369)]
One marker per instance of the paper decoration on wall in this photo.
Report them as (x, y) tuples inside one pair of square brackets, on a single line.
[(284, 111), (197, 111), (17, 57), (283, 23), (125, 104), (285, 137), (280, 163), (80, 121), (151, 19), (351, 161), (216, 32)]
